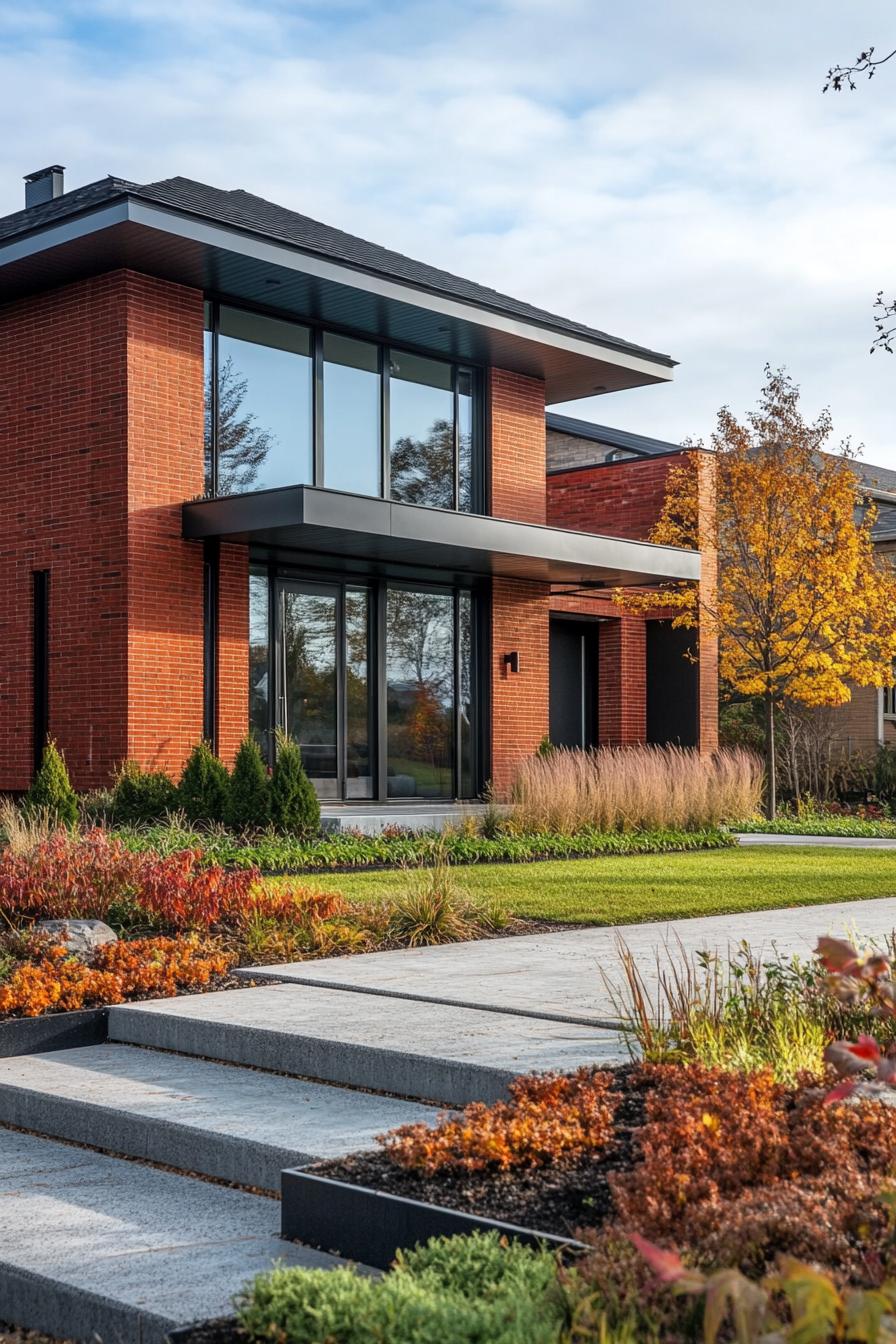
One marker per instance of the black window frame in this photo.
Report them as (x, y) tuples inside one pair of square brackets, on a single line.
[(278, 573), (478, 464)]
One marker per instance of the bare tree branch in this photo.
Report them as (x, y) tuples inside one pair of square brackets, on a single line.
[(841, 77)]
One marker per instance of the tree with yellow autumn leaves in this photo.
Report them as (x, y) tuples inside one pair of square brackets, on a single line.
[(803, 607)]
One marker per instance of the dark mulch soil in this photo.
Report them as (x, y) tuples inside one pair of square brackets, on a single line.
[(558, 1199), (224, 1330)]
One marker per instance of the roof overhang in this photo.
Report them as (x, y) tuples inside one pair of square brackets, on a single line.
[(226, 260), (377, 536)]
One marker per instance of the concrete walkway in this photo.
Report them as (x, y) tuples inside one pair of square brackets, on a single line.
[(833, 841), (558, 975), (95, 1247)]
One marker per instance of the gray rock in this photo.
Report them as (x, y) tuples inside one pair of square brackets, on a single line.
[(81, 936)]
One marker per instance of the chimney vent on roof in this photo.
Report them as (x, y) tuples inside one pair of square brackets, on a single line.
[(44, 185)]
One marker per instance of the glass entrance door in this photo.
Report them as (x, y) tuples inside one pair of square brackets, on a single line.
[(325, 685), (309, 679)]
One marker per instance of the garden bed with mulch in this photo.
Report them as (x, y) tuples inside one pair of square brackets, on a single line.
[(559, 1198)]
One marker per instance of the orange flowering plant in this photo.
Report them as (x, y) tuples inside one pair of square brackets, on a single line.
[(144, 968), (548, 1116)]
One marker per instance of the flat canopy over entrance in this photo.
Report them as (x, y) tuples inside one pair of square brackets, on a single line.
[(378, 536)]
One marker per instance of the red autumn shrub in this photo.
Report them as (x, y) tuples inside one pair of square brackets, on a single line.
[(707, 1133), (549, 1116), (144, 968), (68, 877), (738, 1169), (181, 892)]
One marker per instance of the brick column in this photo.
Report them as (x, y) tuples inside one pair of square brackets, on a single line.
[(520, 611), (165, 467), (622, 682)]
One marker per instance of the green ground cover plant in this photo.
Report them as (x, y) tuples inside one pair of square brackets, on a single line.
[(460, 1290), (822, 823), (275, 853)]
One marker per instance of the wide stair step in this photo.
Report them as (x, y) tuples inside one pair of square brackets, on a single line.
[(431, 1051), (236, 1124), (95, 1247)]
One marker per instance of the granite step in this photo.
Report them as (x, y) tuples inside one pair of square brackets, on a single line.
[(97, 1248), (429, 1051), (236, 1124)]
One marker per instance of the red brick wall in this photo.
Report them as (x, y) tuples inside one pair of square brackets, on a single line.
[(624, 499), (101, 440), (519, 699), (616, 499), (165, 467), (518, 454), (519, 716), (63, 431)]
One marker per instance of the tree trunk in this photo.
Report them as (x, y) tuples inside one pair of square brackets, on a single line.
[(771, 793)]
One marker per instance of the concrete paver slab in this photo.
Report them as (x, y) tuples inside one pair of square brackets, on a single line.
[(387, 1044), (96, 1246), (236, 1124), (559, 974)]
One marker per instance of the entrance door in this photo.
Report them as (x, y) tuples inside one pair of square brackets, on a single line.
[(573, 711), (309, 676)]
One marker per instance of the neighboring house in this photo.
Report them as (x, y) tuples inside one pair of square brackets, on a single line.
[(261, 474), (868, 720)]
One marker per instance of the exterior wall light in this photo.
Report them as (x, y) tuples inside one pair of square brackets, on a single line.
[(512, 661)]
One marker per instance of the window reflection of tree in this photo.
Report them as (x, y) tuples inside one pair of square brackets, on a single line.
[(422, 469), (243, 444), (421, 678), (310, 651)]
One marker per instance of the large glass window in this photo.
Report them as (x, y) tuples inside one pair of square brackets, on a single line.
[(360, 764), (352, 415), (288, 404), (310, 709), (421, 431), (262, 414), (420, 694)]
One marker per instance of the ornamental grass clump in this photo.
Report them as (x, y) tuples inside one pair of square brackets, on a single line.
[(432, 907), (634, 788), (731, 1012), (548, 1117)]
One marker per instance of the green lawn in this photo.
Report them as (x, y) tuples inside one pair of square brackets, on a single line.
[(662, 886)]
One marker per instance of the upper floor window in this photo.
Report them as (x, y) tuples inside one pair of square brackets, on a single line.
[(289, 404)]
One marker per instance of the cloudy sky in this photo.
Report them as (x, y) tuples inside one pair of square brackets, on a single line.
[(670, 173)]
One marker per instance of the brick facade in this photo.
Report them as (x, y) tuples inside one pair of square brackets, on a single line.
[(102, 418), (624, 499), (520, 611)]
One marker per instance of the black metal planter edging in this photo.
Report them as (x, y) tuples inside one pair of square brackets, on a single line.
[(53, 1031), (369, 1226)]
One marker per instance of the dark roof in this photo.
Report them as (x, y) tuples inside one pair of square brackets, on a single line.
[(613, 438), (252, 214), (876, 478)]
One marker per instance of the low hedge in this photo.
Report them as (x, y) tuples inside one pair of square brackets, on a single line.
[(274, 853)]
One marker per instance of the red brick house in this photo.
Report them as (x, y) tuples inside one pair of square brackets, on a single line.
[(260, 473)]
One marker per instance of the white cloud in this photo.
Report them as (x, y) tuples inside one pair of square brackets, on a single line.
[(672, 174)]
